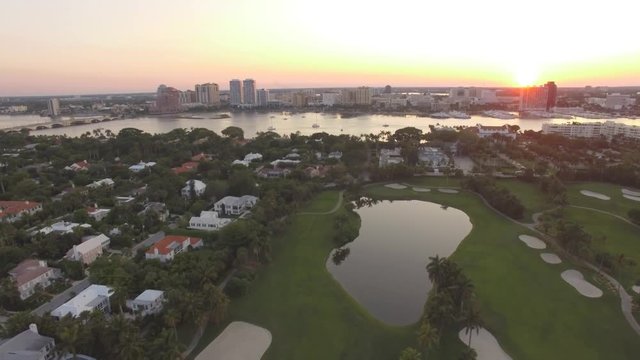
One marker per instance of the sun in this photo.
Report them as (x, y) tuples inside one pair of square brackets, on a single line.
[(526, 75)]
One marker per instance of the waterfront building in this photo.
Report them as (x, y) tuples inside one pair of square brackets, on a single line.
[(489, 131), (208, 94), (607, 129), (235, 92), (249, 92), (262, 97), (330, 98), (299, 99), (618, 101), (539, 98), (53, 107), (167, 100), (187, 97)]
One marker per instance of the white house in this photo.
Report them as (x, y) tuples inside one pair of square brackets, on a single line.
[(170, 246), (433, 157), (198, 187), (148, 303), (89, 250), (390, 157), (62, 227), (208, 221), (141, 166), (232, 205), (241, 162), (488, 131), (95, 297), (253, 157), (335, 155), (97, 214), (100, 183), (30, 274), (28, 345)]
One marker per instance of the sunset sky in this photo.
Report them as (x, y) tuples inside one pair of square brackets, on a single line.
[(92, 46)]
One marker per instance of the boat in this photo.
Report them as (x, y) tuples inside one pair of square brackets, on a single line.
[(271, 128), (459, 115), (315, 126), (385, 125), (440, 115), (499, 114)]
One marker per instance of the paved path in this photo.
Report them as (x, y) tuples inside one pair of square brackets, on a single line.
[(198, 335), (607, 213), (62, 297), (335, 208), (625, 298)]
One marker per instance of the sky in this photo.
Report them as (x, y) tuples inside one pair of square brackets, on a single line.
[(52, 47)]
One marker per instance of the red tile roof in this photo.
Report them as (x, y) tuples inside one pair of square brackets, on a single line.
[(27, 271), (199, 157), (164, 246), (186, 167), (16, 207)]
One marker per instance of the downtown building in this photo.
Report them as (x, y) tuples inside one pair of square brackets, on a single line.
[(607, 129), (357, 96), (235, 92), (167, 100), (539, 98), (208, 94), (262, 97), (53, 107), (249, 92)]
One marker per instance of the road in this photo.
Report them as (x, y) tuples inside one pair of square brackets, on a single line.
[(62, 297)]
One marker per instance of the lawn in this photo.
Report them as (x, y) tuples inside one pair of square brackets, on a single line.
[(524, 301), (323, 202), (621, 238), (530, 195), (617, 205)]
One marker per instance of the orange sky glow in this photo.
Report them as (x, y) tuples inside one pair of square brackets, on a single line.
[(76, 47)]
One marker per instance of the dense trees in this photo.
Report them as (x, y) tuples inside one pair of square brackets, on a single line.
[(500, 198)]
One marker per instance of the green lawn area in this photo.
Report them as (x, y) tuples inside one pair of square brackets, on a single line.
[(323, 202), (617, 205), (621, 238), (532, 198), (525, 303), (433, 181)]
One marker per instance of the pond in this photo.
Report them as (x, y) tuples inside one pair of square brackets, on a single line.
[(384, 268)]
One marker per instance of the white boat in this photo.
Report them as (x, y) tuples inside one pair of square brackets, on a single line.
[(315, 126), (459, 115), (499, 114), (440, 115), (271, 128)]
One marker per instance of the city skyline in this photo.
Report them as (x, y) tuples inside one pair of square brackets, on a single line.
[(75, 47)]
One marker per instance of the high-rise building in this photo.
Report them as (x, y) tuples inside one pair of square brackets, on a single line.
[(187, 97), (387, 89), (262, 97), (299, 99), (538, 98), (167, 99), (363, 96), (235, 92), (249, 92), (208, 94), (53, 107)]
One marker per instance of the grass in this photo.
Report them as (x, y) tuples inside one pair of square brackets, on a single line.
[(617, 205), (323, 202), (530, 195), (525, 303), (621, 238)]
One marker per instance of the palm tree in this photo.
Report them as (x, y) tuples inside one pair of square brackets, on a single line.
[(463, 291), (428, 335), (130, 345), (472, 321), (468, 354), (69, 338), (410, 354), (436, 269), (172, 318)]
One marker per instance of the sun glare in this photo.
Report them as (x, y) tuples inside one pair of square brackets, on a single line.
[(526, 75)]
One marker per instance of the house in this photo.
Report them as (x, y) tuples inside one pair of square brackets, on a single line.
[(141, 166), (285, 162), (198, 188), (62, 227), (185, 168), (32, 273), (201, 157), (208, 221), (317, 171), (170, 246), (433, 157), (79, 166), (28, 345), (97, 214), (11, 211), (95, 297), (124, 200), (160, 209), (390, 157), (89, 250), (335, 155), (240, 162), (253, 157), (108, 183), (272, 173), (148, 303), (489, 131), (232, 205), (293, 156)]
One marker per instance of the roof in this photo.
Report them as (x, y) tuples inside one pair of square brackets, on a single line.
[(149, 295), (200, 157), (234, 200), (24, 346), (186, 167), (170, 242), (197, 185), (91, 244), (86, 300), (28, 270), (16, 207)]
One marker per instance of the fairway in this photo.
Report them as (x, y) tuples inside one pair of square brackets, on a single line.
[(617, 205), (530, 195)]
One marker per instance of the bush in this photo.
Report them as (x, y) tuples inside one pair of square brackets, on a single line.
[(500, 198), (237, 287), (634, 216)]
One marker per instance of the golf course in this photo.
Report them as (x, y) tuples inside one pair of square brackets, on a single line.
[(525, 303)]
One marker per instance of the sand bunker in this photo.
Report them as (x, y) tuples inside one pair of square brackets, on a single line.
[(631, 197), (636, 289), (419, 189), (594, 195), (448, 191), (631, 192), (550, 258), (485, 345), (575, 279), (532, 242), (396, 186), (238, 341)]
